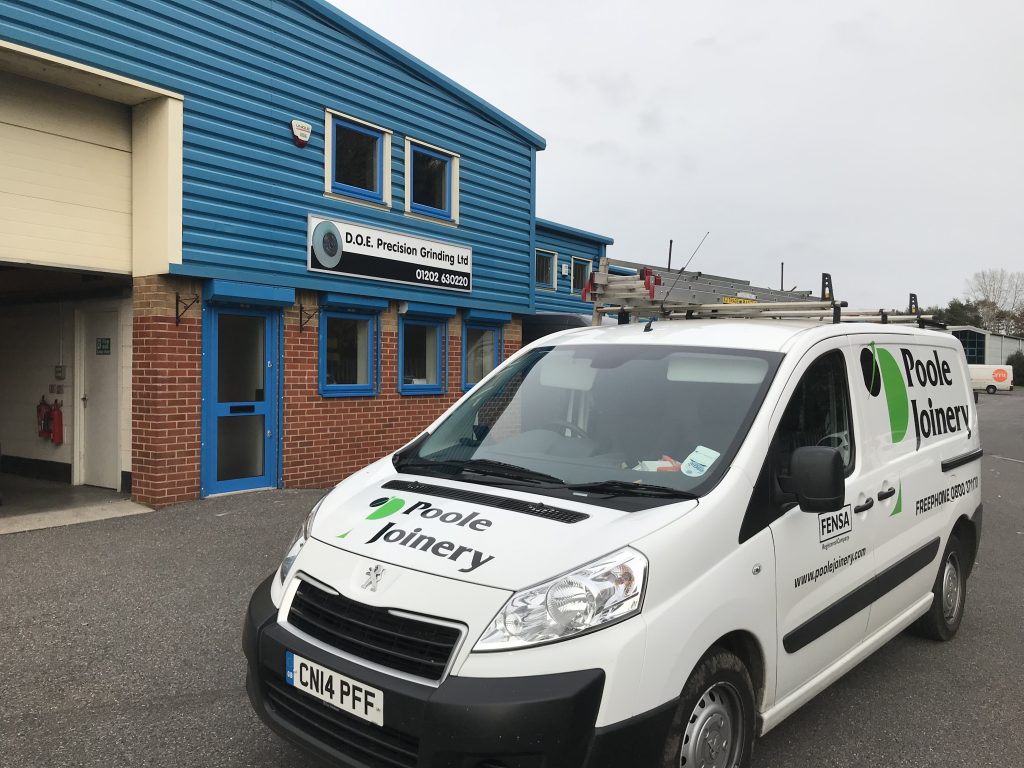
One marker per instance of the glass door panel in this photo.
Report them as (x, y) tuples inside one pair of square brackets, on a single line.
[(240, 400)]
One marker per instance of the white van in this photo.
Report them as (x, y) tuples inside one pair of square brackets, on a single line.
[(629, 546), (991, 378)]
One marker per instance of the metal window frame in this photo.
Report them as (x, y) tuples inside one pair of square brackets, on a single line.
[(441, 327), (372, 386), (499, 346)]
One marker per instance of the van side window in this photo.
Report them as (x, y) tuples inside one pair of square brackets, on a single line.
[(818, 413)]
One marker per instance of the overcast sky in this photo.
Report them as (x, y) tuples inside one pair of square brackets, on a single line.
[(878, 141)]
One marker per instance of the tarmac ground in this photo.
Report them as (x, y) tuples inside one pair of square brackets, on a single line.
[(120, 643)]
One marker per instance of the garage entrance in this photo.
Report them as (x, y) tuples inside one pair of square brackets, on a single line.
[(65, 293)]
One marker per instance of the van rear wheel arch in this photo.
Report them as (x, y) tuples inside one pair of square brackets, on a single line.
[(966, 530)]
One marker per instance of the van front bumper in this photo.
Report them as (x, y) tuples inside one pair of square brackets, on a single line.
[(543, 721)]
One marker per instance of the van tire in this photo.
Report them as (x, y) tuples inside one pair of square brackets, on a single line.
[(716, 705), (949, 595), (991, 389)]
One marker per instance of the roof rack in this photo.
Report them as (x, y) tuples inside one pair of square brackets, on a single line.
[(645, 296)]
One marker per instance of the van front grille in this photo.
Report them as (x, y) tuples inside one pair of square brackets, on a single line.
[(416, 647)]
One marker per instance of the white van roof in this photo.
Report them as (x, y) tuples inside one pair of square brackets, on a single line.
[(769, 335)]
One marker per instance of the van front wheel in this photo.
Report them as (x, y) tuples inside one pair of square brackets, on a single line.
[(991, 389), (949, 595), (713, 725)]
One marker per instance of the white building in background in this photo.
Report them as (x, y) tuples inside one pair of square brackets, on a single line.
[(985, 347)]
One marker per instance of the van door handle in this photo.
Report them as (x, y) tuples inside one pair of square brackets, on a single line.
[(882, 495), (865, 506)]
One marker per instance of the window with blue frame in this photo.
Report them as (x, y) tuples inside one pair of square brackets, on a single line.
[(348, 353), (481, 351), (422, 345), (432, 185), (580, 273), (360, 159), (544, 274)]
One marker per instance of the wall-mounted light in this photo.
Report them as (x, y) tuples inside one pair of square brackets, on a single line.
[(301, 132)]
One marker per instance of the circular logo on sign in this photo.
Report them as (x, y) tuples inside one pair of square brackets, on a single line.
[(327, 245), (999, 374)]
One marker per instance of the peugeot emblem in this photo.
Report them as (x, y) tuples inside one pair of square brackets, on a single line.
[(373, 576)]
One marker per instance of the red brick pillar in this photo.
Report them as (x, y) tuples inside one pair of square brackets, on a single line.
[(166, 391)]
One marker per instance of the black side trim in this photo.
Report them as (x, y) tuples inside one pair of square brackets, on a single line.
[(863, 596), (126, 482), (514, 505), (963, 458)]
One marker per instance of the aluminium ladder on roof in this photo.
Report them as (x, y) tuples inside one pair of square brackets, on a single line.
[(649, 295)]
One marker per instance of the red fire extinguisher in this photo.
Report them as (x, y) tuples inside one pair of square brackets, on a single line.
[(43, 417), (56, 423)]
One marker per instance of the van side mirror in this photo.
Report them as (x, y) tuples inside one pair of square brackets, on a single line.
[(818, 479)]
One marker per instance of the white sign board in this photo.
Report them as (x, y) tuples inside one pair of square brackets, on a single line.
[(342, 248)]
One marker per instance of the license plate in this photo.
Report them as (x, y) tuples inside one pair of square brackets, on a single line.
[(343, 692)]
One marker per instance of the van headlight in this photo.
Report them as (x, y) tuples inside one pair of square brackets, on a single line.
[(593, 596), (297, 543)]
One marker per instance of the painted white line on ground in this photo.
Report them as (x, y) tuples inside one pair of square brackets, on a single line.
[(1007, 458), (58, 517)]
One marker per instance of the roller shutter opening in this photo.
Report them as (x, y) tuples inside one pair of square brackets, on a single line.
[(65, 203), (65, 178)]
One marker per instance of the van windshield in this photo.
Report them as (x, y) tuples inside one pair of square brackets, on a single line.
[(653, 424)]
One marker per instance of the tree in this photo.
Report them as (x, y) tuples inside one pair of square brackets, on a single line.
[(1016, 360), (998, 295), (957, 313)]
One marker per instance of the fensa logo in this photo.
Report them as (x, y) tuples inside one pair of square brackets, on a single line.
[(832, 525)]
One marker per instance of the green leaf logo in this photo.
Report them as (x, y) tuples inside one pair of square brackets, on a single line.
[(898, 506), (896, 397), (383, 507)]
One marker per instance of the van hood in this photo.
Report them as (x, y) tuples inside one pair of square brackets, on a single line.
[(481, 534)]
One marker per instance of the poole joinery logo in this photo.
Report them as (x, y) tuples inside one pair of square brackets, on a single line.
[(390, 533), (910, 387)]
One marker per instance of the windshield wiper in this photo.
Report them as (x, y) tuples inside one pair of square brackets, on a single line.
[(625, 488), (487, 467), (509, 471)]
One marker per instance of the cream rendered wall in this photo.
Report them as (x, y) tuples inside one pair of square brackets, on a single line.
[(157, 136), (65, 178)]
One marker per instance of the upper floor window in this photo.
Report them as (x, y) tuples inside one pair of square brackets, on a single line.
[(580, 273), (432, 183), (546, 264), (358, 159)]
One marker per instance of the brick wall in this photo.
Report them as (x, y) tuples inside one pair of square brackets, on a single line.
[(166, 392), (326, 439)]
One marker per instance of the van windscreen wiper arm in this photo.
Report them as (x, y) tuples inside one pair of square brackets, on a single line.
[(488, 467), (626, 488), (509, 471)]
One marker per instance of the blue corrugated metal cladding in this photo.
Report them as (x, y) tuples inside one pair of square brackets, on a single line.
[(566, 242), (246, 69)]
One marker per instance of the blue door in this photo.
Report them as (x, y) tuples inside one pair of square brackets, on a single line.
[(240, 399)]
